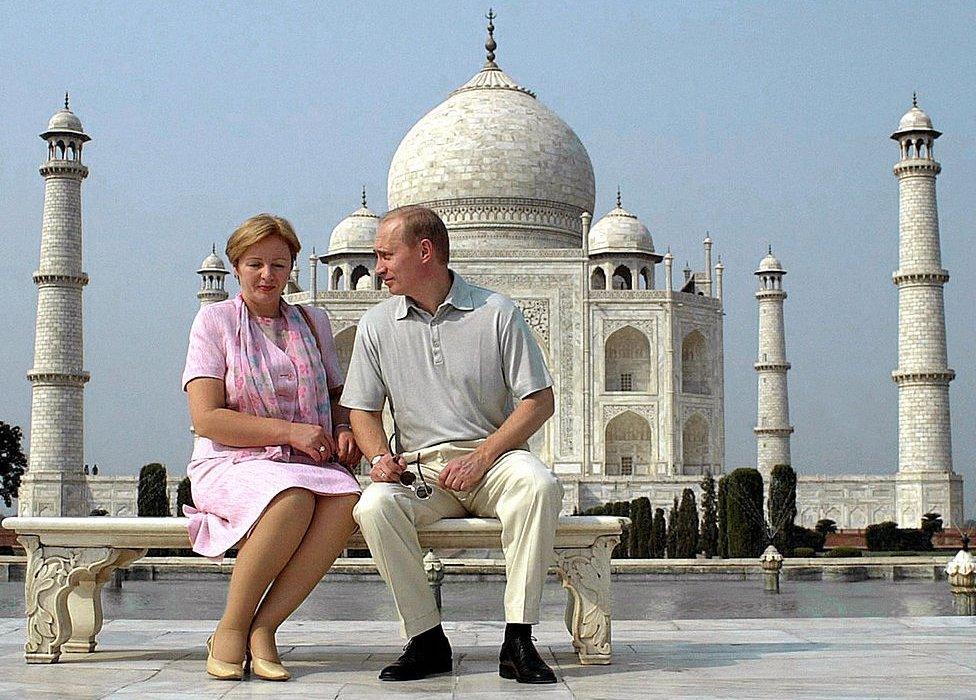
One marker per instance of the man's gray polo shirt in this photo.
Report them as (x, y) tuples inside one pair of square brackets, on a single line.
[(451, 376)]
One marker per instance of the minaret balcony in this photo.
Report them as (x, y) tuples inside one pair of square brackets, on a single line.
[(934, 376), (64, 168), (772, 366), (920, 277), (44, 279), (917, 166), (43, 376), (774, 432)]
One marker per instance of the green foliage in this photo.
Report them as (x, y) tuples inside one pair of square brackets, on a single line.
[(844, 552), (620, 508), (932, 523), (659, 535), (13, 463), (782, 506), (882, 537), (153, 501), (184, 496), (803, 552), (723, 520), (744, 513), (687, 544), (672, 538), (709, 524), (806, 538), (640, 529), (825, 526), (914, 540)]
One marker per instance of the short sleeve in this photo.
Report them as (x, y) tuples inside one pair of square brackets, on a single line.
[(522, 362), (365, 389), (330, 355), (205, 356)]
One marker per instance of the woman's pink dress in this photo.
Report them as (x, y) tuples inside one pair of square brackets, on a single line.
[(232, 486)]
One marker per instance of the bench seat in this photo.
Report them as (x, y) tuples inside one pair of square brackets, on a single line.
[(70, 559)]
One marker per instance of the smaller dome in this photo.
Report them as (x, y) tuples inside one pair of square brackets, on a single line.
[(914, 119), (620, 232), (64, 120), (356, 233), (770, 264), (212, 262)]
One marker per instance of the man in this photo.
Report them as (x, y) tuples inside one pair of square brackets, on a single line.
[(451, 358)]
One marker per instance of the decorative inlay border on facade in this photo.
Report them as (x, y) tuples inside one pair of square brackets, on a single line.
[(536, 313), (647, 327)]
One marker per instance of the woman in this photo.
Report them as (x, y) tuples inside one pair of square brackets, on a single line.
[(263, 382)]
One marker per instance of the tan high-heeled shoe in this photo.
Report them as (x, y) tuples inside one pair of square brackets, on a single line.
[(266, 670), (222, 670)]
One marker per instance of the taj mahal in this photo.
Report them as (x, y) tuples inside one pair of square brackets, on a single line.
[(635, 348)]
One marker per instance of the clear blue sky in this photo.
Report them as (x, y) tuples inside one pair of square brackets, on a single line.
[(762, 123)]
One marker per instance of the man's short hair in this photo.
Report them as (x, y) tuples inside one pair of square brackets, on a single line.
[(419, 222)]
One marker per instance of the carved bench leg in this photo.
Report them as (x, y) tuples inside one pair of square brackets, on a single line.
[(585, 574), (61, 585)]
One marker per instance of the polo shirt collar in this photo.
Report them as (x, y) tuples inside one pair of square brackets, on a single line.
[(458, 296)]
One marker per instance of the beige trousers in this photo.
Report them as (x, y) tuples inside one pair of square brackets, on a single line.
[(519, 490)]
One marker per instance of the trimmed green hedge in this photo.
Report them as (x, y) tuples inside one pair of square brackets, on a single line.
[(844, 552)]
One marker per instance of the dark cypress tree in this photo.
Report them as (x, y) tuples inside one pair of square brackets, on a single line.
[(744, 513), (709, 525), (687, 538), (184, 496), (640, 533), (723, 520), (13, 463), (782, 507), (622, 550), (672, 541), (659, 535), (153, 501)]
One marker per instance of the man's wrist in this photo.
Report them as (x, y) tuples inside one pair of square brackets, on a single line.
[(340, 426)]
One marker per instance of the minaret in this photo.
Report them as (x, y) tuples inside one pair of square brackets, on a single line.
[(923, 375), (58, 378), (719, 269), (707, 284), (212, 273), (773, 428)]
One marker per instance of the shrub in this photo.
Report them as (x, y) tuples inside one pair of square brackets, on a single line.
[(782, 505), (621, 508), (672, 539), (825, 526), (744, 513), (184, 496), (640, 532), (709, 525), (882, 537), (723, 525), (659, 535), (914, 540), (810, 539), (686, 546), (844, 552), (804, 552), (152, 499), (932, 523)]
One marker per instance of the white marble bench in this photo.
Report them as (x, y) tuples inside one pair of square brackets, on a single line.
[(70, 559)]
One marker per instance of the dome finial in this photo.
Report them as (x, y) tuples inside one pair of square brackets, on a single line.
[(213, 248), (618, 197), (914, 99), (490, 44), (66, 100), (769, 248), (364, 196)]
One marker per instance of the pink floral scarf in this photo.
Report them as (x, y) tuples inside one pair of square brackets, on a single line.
[(256, 392)]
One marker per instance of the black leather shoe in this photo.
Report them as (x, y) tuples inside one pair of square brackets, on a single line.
[(520, 660), (419, 660)]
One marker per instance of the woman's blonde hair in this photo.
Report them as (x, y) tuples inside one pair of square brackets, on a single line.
[(256, 229)]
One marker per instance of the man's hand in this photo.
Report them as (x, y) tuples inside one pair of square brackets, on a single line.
[(348, 450), (388, 469), (463, 473)]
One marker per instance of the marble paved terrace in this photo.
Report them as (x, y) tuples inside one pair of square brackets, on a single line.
[(807, 657)]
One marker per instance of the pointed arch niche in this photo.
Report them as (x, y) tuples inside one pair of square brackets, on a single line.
[(627, 361), (694, 445), (628, 445), (344, 340), (694, 364)]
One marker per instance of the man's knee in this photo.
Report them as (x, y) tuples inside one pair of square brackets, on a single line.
[(376, 503)]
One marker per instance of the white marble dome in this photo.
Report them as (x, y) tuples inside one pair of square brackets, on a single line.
[(498, 166), (64, 121), (356, 233), (212, 262), (620, 232), (915, 120), (770, 264)]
